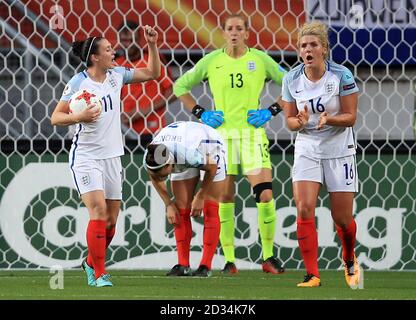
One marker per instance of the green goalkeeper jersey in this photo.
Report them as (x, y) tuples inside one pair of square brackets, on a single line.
[(236, 84)]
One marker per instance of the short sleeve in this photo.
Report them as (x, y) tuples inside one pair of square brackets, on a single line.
[(127, 73), (347, 83), (286, 95), (72, 86)]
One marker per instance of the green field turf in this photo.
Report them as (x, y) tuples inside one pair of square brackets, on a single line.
[(248, 285)]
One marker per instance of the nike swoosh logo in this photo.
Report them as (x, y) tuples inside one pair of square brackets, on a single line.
[(298, 91), (218, 67), (100, 237), (303, 238), (348, 183)]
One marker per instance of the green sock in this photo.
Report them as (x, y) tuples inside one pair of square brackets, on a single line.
[(226, 212), (267, 227)]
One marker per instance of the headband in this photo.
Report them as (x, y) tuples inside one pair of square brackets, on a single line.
[(88, 54), (170, 159)]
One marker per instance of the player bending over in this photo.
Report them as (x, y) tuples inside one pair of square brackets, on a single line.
[(182, 150)]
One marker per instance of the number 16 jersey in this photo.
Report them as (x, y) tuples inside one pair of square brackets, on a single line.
[(323, 95)]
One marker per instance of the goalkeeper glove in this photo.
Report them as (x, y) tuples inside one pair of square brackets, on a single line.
[(212, 118), (257, 118)]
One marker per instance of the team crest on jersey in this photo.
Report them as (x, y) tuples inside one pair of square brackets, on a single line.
[(251, 65), (112, 82), (329, 87)]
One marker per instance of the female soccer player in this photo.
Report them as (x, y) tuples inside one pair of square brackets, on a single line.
[(320, 103), (97, 144), (236, 75), (183, 149)]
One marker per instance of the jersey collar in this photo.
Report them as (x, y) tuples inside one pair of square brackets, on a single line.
[(86, 75)]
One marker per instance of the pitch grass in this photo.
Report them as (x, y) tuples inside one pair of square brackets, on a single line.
[(247, 285)]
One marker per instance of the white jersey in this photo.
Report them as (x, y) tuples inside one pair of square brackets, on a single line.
[(323, 95), (101, 139), (190, 143)]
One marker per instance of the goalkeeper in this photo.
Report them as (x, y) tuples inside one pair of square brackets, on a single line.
[(236, 76)]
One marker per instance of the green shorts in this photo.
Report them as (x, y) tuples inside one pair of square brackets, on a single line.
[(250, 150)]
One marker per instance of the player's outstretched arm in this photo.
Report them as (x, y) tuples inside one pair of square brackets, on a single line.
[(153, 64)]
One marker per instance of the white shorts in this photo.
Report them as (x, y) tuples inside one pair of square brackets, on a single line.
[(106, 174), (339, 174), (195, 172)]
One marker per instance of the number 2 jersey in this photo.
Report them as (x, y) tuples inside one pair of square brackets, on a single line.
[(101, 139), (320, 96)]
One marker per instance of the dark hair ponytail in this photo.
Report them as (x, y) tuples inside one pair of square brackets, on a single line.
[(84, 49)]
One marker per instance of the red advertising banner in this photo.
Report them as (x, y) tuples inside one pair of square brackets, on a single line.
[(183, 24)]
